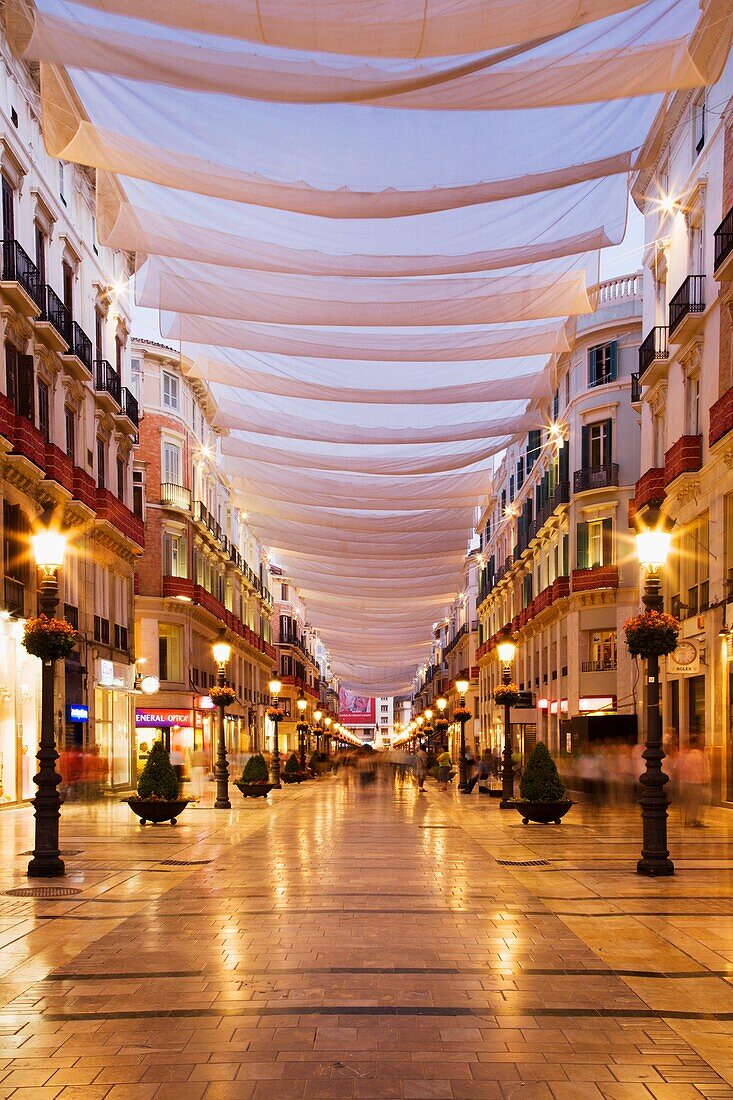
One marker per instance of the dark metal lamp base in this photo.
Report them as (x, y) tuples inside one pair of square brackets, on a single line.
[(655, 868)]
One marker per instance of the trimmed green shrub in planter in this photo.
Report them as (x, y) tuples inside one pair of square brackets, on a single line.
[(255, 781), (158, 789), (158, 779), (255, 770), (542, 792), (291, 773)]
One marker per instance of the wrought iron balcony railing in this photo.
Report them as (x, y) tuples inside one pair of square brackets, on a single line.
[(595, 477), (690, 298), (654, 346), (19, 267), (724, 239), (107, 380)]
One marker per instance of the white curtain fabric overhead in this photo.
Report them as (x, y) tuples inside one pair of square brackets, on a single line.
[(371, 223), (640, 52), (147, 218), (389, 28), (403, 345)]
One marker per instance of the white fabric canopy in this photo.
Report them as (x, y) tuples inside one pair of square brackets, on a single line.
[(370, 224)]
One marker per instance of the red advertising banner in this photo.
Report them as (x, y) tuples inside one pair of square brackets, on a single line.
[(356, 710)]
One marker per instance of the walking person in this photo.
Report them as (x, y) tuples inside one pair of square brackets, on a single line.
[(445, 764), (480, 775), (694, 780), (421, 768), (198, 771)]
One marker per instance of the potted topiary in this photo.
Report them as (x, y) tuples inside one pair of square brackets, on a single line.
[(542, 792), (158, 790), (292, 773), (255, 781)]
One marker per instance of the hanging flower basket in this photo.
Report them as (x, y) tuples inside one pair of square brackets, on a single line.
[(275, 714), (442, 725), (651, 634), (223, 696), (506, 695), (462, 714), (302, 727), (49, 639)]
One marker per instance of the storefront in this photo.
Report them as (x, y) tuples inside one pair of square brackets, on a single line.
[(174, 726), (20, 708), (113, 698)]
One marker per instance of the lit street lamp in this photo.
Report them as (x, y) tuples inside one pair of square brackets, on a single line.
[(276, 687), (318, 728), (428, 730), (327, 736), (652, 546), (222, 652), (302, 704), (462, 717), (506, 650), (441, 726), (49, 546)]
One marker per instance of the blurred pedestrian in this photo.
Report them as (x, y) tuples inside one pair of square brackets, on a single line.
[(445, 764), (421, 768), (694, 780)]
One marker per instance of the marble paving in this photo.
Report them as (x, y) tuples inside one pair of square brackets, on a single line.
[(348, 941)]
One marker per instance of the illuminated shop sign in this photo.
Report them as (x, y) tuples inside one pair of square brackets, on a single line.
[(162, 717), (77, 712)]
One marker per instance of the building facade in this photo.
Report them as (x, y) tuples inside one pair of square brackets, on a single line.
[(557, 566), (686, 401), (202, 571), (302, 664), (68, 426)]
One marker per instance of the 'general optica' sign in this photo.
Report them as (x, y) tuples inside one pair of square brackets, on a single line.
[(162, 717)]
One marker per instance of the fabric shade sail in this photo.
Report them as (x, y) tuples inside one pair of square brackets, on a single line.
[(370, 225), (147, 218), (638, 52)]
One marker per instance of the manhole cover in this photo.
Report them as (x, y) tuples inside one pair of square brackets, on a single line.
[(524, 862), (185, 862), (63, 852), (41, 892)]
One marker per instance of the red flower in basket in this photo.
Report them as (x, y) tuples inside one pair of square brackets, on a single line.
[(506, 695), (49, 639), (223, 696), (651, 634), (275, 714)]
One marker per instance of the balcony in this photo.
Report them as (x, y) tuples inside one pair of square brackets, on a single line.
[(654, 348), (595, 477), (454, 641), (721, 417), (686, 307), (14, 595), (80, 356), (129, 408), (19, 286), (107, 385), (175, 496), (724, 248), (650, 488), (683, 457), (598, 666), (53, 326), (559, 496), (600, 576)]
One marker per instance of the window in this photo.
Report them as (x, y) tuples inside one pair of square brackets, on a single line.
[(136, 380), (174, 555), (44, 422), (596, 444), (121, 478), (170, 651), (556, 405), (283, 592), (699, 111), (171, 391), (692, 405), (119, 345), (70, 426), (101, 604), (695, 563), (603, 650), (567, 389), (602, 363), (594, 543), (138, 493), (16, 556), (99, 334), (534, 446), (40, 243), (8, 211), (19, 377), (520, 472), (101, 463), (658, 440), (68, 281), (171, 463), (121, 609), (62, 181)]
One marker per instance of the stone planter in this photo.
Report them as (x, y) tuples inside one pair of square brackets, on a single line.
[(293, 777), (254, 790), (542, 812), (156, 810)]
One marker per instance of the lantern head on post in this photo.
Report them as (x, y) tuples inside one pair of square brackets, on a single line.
[(653, 543), (462, 689), (506, 650), (49, 547), (301, 703), (441, 703), (275, 686)]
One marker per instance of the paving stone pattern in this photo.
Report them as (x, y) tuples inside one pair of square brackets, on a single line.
[(367, 942)]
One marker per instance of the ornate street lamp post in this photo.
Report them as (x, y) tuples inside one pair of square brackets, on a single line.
[(49, 546), (653, 547), (462, 716), (275, 686), (506, 650), (327, 735), (318, 729), (441, 724), (222, 652), (428, 729), (302, 704)]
